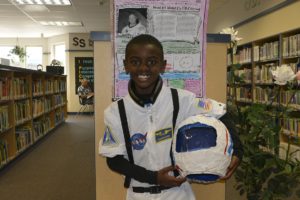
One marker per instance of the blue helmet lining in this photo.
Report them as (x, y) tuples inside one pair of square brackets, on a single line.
[(196, 136), (203, 177)]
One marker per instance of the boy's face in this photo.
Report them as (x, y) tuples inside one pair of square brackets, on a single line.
[(144, 63)]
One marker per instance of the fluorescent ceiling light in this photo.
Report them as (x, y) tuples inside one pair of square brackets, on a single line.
[(43, 2), (60, 23)]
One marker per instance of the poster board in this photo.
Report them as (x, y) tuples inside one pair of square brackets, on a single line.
[(180, 25), (84, 69)]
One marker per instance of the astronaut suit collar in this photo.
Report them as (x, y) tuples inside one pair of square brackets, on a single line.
[(142, 100)]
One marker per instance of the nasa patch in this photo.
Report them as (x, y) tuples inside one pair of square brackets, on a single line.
[(138, 141)]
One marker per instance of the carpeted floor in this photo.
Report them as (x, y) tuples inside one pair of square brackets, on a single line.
[(61, 166)]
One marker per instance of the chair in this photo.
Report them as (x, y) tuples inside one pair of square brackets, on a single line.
[(85, 103)]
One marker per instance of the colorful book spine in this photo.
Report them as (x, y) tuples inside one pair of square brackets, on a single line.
[(4, 118), (38, 107), (23, 137), (5, 88), (3, 152), (37, 87), (22, 111)]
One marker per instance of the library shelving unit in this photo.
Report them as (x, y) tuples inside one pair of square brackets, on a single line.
[(32, 103), (243, 90), (255, 60)]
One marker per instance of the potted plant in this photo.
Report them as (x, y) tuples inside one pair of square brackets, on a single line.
[(20, 52), (263, 174)]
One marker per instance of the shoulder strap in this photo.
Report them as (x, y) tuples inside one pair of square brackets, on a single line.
[(175, 100), (176, 106), (126, 137)]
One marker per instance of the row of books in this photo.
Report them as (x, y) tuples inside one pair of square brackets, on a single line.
[(3, 152), (59, 99), (54, 86), (4, 120), (37, 87), (42, 105), (41, 127), (22, 111), (267, 51), (244, 94), (245, 73), (20, 87), (59, 116), (266, 95), (230, 92), (23, 137), (291, 46), (5, 88), (244, 55), (263, 74), (290, 96), (262, 95), (290, 126), (38, 107)]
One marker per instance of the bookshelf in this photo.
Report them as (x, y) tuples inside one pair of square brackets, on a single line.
[(32, 103), (253, 62)]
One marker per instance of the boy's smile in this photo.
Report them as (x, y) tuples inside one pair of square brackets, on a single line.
[(144, 63)]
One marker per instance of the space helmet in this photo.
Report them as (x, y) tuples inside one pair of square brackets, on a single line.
[(202, 149)]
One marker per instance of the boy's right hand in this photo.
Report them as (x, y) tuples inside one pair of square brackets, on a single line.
[(164, 179)]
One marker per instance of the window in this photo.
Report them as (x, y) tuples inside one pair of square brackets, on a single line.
[(34, 57), (60, 53), (4, 51)]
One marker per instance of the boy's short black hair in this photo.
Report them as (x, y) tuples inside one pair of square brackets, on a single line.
[(144, 39)]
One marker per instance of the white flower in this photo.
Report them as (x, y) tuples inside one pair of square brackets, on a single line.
[(283, 74), (232, 32)]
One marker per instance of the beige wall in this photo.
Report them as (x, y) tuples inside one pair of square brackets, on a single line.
[(228, 14), (231, 12), (109, 185), (282, 20)]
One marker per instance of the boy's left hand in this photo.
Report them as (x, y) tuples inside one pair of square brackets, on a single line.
[(235, 161)]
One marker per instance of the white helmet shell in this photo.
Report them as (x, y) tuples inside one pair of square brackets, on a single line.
[(202, 149)]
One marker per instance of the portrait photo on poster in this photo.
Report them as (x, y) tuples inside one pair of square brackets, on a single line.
[(132, 21)]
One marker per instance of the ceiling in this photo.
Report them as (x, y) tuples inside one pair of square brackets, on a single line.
[(23, 21)]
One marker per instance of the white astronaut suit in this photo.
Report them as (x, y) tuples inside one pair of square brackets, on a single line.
[(151, 135)]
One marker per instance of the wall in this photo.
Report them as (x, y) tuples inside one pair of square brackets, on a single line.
[(109, 185), (282, 20), (231, 12), (59, 39)]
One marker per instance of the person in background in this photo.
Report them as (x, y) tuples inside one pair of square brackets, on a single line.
[(85, 92), (134, 27), (149, 111)]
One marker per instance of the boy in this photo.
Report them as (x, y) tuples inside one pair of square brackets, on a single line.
[(149, 110)]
